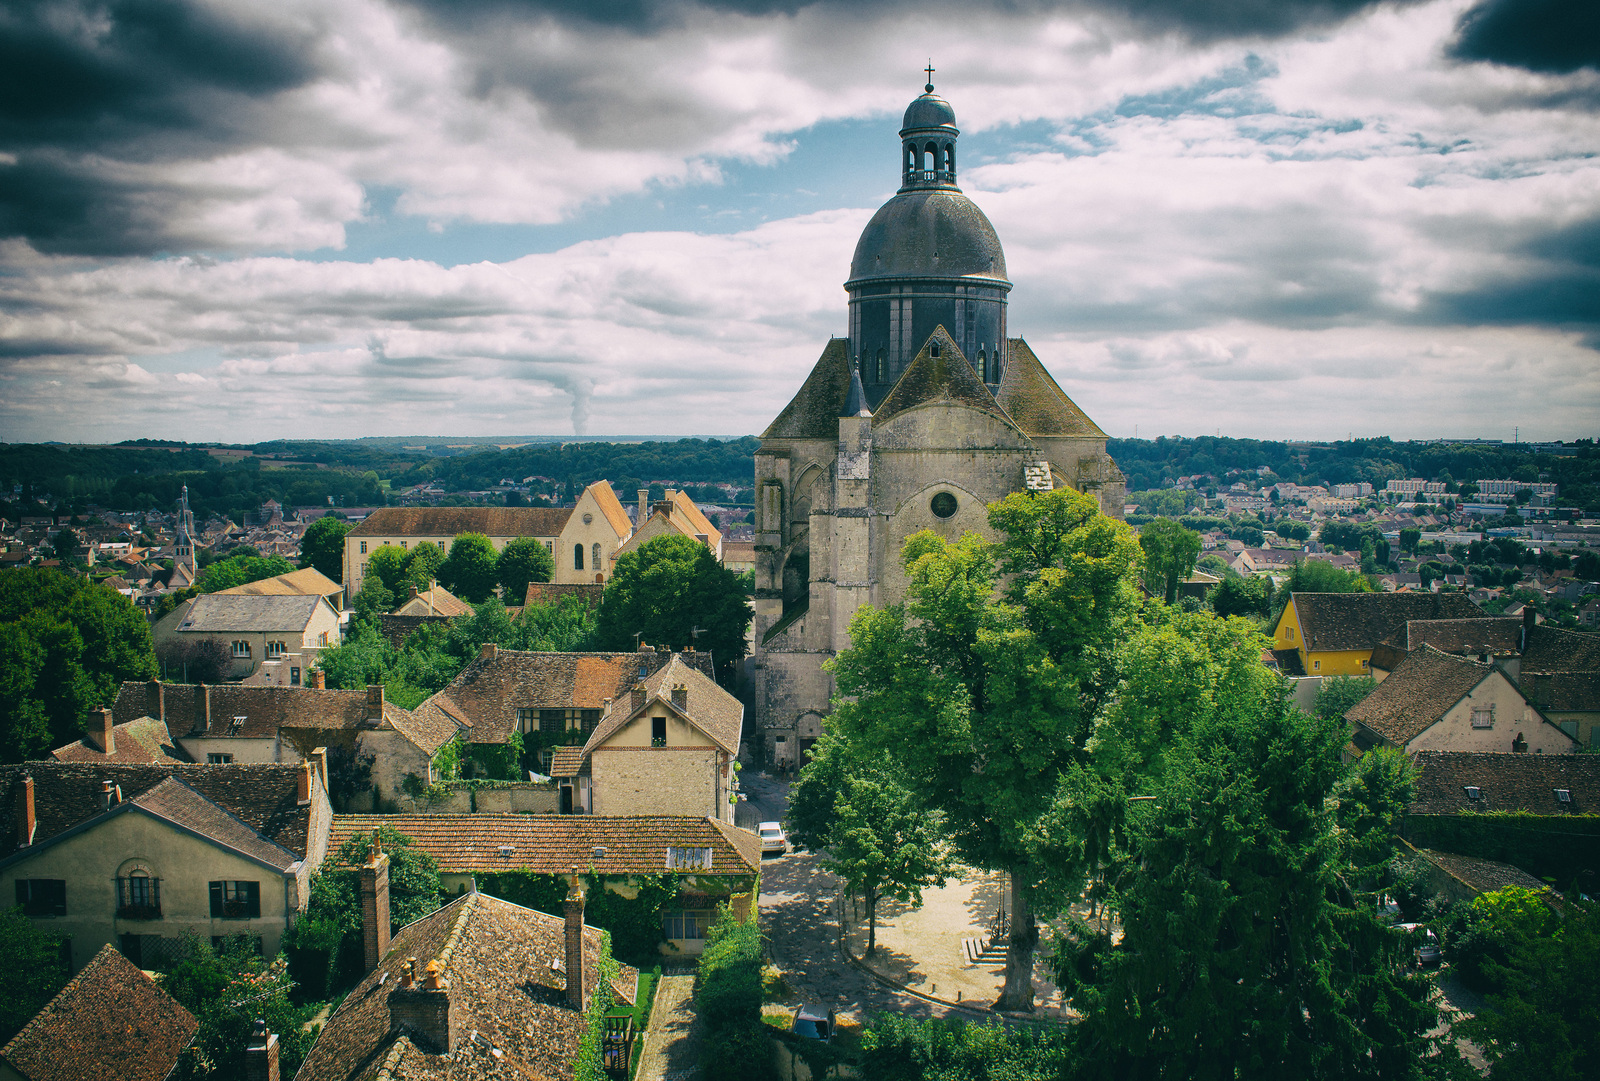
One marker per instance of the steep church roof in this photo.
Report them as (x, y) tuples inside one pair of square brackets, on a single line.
[(1034, 399), (945, 377), (814, 411)]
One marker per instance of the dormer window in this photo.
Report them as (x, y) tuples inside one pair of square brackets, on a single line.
[(1474, 793)]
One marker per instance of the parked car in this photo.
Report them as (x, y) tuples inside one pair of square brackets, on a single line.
[(772, 838), (1424, 944), (814, 1023)]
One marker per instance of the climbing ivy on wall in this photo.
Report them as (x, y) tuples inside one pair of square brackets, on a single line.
[(634, 922)]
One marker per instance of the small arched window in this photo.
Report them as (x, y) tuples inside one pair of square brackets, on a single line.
[(577, 557), (950, 159), (933, 350), (594, 553), (983, 366), (880, 366), (930, 156)]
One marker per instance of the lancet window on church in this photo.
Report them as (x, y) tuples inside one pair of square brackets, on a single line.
[(880, 366), (577, 557), (983, 366)]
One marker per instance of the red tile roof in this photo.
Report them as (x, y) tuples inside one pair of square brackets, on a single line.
[(110, 1021), (1422, 690), (450, 521), (144, 740), (708, 707), (554, 844)]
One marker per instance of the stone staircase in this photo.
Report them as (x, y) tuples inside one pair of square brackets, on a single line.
[(983, 951)]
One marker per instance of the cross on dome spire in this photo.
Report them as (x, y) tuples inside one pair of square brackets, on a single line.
[(929, 69)]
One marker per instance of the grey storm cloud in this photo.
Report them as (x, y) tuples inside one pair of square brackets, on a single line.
[(1540, 35)]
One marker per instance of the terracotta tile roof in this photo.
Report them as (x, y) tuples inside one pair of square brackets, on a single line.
[(611, 507), (429, 726), (553, 844), (437, 601), (1340, 621), (1035, 401), (307, 581), (813, 413), (709, 708), (1564, 691), (181, 805), (566, 762), (1485, 876), (142, 740), (109, 1021), (1551, 649), (214, 613), (503, 964), (1420, 691), (1506, 782), (1495, 635), (67, 794), (947, 378), (447, 522), (489, 691), (264, 709), (554, 593), (698, 523)]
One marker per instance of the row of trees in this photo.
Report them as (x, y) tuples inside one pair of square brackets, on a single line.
[(1089, 745)]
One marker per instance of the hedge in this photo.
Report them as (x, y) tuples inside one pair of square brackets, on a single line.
[(727, 996), (1546, 846)]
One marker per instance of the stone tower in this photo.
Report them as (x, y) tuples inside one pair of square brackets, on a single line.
[(925, 414)]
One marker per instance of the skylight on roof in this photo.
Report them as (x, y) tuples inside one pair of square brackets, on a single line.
[(1474, 792), (1563, 795)]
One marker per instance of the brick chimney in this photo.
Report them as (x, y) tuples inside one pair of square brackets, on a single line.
[(27, 822), (375, 702), (644, 508), (261, 1054), (303, 786), (157, 697), (425, 1009), (202, 708), (573, 906), (108, 796), (319, 680), (489, 651), (100, 733), (412, 588), (680, 697), (319, 760), (375, 910), (638, 696)]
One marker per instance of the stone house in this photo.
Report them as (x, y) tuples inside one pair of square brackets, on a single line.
[(253, 629), (83, 1033), (549, 699), (481, 988), (719, 863), (409, 526), (1437, 701), (592, 538), (136, 855), (1334, 634), (666, 747), (674, 515), (230, 724), (308, 581)]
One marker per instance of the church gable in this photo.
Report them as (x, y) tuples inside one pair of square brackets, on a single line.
[(1036, 401), (940, 375), (814, 411)]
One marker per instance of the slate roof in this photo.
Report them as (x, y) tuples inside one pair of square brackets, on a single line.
[(813, 413), (709, 708), (589, 593), (1506, 781), (186, 708), (109, 1021), (1340, 621), (487, 693), (1551, 649), (1419, 692), (67, 794), (504, 966), (1565, 691), (181, 805), (1496, 635), (308, 581), (447, 522), (947, 378), (223, 612), (144, 739), (1032, 397), (554, 844)]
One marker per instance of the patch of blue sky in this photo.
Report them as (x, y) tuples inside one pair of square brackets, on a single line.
[(1227, 93)]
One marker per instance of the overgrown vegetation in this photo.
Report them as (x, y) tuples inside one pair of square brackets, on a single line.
[(32, 971), (634, 923), (727, 995), (227, 990)]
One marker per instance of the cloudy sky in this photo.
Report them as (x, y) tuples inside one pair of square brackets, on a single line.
[(233, 220)]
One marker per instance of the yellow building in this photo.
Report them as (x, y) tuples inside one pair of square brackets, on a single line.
[(1334, 634)]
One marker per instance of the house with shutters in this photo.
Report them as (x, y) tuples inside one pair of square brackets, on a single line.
[(1442, 702), (667, 746), (135, 855)]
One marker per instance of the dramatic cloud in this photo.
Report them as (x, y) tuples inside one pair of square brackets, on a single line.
[(1215, 214)]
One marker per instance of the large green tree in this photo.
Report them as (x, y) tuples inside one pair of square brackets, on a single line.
[(982, 701), (240, 569), (522, 561), (65, 646), (664, 590), (1169, 554), (470, 570), (32, 971), (871, 829), (322, 546), (227, 990)]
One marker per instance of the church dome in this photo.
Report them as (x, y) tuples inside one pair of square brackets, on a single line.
[(937, 233), (929, 111)]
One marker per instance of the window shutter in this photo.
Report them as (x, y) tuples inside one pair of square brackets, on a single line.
[(216, 900)]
